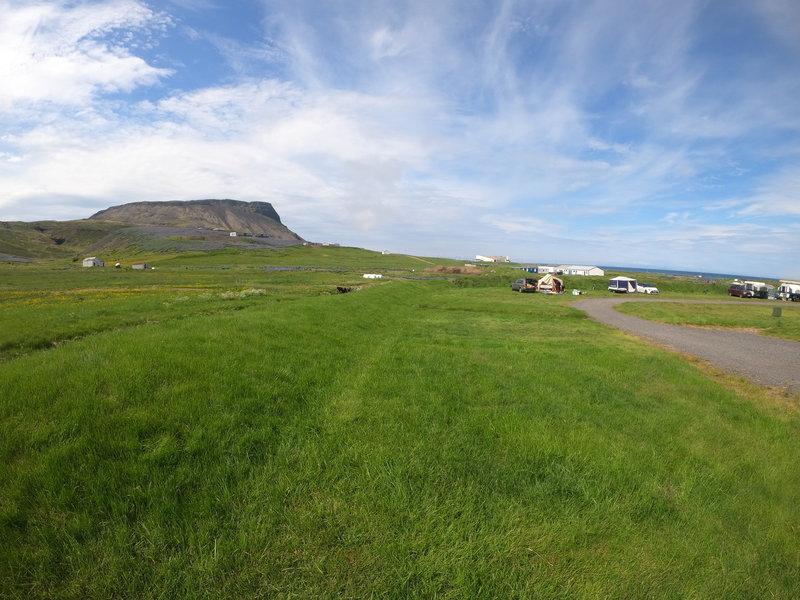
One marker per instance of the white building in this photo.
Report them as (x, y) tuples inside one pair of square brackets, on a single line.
[(580, 270), (492, 259), (93, 261)]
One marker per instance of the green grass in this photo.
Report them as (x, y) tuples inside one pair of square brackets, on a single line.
[(41, 307), (410, 439), (751, 315), (305, 256)]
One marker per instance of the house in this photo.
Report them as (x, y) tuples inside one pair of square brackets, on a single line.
[(528, 268), (547, 269), (93, 261), (492, 259), (140, 266), (580, 270)]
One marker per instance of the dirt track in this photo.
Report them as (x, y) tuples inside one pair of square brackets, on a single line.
[(761, 359)]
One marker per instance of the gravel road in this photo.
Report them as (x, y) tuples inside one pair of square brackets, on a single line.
[(761, 359)]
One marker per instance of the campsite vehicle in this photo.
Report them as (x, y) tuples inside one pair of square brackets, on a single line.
[(551, 285), (739, 289), (646, 288), (789, 290), (749, 289), (622, 285), (527, 284), (759, 288)]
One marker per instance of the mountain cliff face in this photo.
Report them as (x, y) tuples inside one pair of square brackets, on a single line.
[(228, 215)]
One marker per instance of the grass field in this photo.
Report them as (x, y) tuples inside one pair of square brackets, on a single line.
[(184, 439), (752, 315)]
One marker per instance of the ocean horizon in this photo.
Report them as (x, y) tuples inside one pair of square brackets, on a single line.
[(703, 274)]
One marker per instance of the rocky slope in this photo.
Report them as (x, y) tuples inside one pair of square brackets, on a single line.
[(227, 215), (194, 225)]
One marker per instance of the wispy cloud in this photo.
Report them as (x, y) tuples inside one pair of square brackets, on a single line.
[(778, 195), (426, 124)]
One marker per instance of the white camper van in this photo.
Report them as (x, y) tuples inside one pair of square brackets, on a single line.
[(759, 288), (789, 290)]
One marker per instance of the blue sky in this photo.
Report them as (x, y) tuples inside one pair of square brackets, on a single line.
[(643, 133)]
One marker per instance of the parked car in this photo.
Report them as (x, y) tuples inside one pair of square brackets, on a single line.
[(527, 284), (740, 290), (646, 288)]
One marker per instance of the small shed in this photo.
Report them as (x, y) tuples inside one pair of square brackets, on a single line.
[(140, 266), (93, 261)]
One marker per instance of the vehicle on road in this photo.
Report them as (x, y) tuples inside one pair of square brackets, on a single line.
[(526, 284), (646, 288)]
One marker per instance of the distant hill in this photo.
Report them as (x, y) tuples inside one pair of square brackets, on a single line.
[(172, 226), (227, 215)]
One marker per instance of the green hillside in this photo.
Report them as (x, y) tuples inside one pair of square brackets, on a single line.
[(52, 239)]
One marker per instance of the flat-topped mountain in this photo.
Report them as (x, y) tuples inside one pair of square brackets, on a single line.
[(173, 226), (228, 215)]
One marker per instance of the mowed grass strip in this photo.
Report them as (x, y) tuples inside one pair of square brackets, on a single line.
[(407, 440), (748, 315)]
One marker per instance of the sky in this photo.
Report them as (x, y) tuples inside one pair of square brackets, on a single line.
[(641, 133)]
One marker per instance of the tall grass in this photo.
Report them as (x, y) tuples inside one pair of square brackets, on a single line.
[(412, 439)]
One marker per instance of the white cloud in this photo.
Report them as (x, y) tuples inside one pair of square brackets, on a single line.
[(778, 195), (521, 225), (59, 52)]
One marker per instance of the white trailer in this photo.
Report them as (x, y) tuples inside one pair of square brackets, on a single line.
[(789, 290), (622, 285), (759, 288)]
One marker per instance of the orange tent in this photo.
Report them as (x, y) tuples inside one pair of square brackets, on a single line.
[(551, 285)]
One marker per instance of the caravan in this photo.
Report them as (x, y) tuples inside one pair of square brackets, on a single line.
[(759, 289), (622, 285), (789, 290)]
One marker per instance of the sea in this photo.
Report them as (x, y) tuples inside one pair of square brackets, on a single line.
[(704, 275)]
